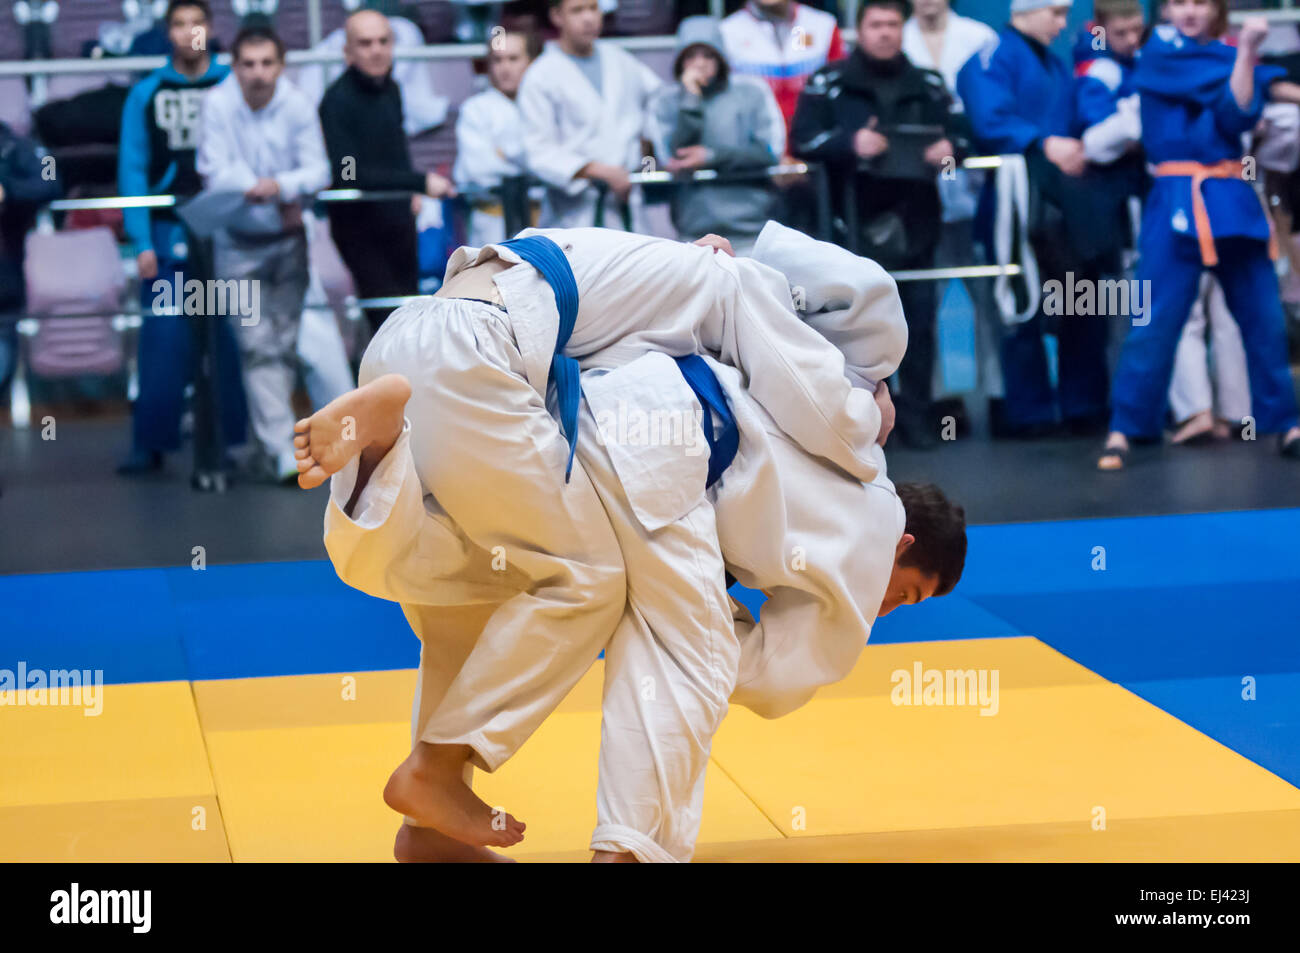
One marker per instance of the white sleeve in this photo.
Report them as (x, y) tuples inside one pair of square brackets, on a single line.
[(311, 171), (478, 163), (218, 160), (849, 300), (1108, 140), (394, 546), (796, 374), (550, 158)]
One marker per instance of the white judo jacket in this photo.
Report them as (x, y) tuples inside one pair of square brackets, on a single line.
[(814, 536), (567, 123), (639, 294)]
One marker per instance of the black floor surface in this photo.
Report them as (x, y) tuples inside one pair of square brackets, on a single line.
[(63, 508)]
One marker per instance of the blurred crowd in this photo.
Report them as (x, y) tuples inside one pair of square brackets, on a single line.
[(568, 121)]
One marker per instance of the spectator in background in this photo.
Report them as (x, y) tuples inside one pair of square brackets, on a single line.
[(885, 128), (783, 43), (936, 38), (584, 105), (1020, 99), (361, 116), (260, 136), (23, 189), (710, 119), (489, 133), (156, 156)]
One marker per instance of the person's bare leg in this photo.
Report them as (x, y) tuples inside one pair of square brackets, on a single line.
[(429, 787), (1116, 441), (1195, 426), (424, 845), (610, 857), (366, 420)]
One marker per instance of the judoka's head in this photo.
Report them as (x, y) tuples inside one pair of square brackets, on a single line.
[(579, 23), (187, 29), (1041, 20), (510, 53), (257, 58), (1197, 18), (880, 27), (929, 558), (1122, 23), (368, 43)]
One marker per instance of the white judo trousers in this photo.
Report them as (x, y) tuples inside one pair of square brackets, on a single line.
[(1210, 376), (487, 450), (672, 662)]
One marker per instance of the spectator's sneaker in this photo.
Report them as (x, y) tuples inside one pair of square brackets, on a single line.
[(141, 461), (1290, 449)]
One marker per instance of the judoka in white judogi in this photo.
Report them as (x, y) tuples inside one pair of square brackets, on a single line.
[(486, 449), (489, 148), (568, 123), (677, 630)]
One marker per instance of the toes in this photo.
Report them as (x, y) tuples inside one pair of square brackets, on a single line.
[(305, 463), (312, 478), (302, 441)]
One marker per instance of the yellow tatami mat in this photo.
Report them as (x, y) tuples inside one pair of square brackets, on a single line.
[(1069, 767)]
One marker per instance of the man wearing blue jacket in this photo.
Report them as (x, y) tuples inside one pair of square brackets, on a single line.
[(1019, 98), (156, 156)]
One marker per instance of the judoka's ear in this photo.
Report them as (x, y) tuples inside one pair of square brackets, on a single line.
[(904, 545)]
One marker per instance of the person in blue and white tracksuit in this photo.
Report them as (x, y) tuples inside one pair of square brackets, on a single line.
[(1198, 96), (1019, 98), (157, 156)]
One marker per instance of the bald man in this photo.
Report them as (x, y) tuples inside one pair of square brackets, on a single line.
[(361, 115)]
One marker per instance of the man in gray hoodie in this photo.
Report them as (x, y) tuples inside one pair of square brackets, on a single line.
[(710, 119)]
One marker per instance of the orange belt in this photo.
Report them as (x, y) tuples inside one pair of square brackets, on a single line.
[(1198, 173)]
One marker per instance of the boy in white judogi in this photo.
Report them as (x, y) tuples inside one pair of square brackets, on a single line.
[(478, 374), (677, 630), (585, 110), (490, 136)]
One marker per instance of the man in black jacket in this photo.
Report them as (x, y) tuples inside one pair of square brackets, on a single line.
[(361, 117), (885, 129)]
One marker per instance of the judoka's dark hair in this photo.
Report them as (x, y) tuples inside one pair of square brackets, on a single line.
[(256, 34), (1103, 10), (904, 8), (180, 4), (939, 527)]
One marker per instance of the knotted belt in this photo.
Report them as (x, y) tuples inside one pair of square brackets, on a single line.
[(1198, 173)]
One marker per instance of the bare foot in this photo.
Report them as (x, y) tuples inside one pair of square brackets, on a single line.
[(1112, 457), (429, 787), (1222, 430), (610, 857), (424, 845), (347, 425), (1198, 425)]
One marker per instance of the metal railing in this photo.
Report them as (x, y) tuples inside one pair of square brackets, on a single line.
[(513, 197)]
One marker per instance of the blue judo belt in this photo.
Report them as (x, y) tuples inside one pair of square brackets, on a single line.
[(722, 445), (546, 256)]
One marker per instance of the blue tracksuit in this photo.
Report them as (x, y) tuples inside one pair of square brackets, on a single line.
[(157, 156), (1103, 80), (1017, 93), (1190, 114)]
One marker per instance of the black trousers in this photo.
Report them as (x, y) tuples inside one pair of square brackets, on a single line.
[(381, 252)]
